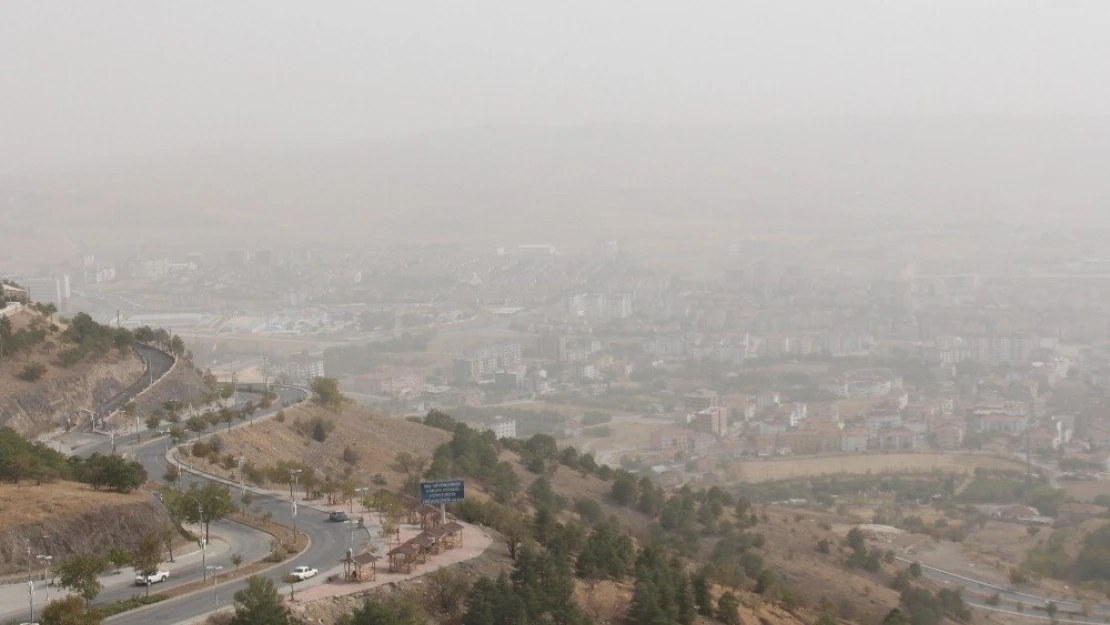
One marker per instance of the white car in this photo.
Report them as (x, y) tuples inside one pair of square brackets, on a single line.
[(303, 572), (160, 576)]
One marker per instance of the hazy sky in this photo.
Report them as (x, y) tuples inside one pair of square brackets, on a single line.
[(98, 80)]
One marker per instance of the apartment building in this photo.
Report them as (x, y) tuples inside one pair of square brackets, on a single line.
[(303, 368)]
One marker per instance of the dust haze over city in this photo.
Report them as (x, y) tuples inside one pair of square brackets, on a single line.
[(740, 312)]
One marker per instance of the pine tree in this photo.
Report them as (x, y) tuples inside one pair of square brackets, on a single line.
[(702, 598), (259, 604), (728, 609)]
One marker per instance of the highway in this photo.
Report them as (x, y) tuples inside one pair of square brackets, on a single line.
[(977, 591)]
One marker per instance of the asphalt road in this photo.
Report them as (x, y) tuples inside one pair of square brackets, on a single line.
[(977, 591), (329, 545), (158, 363)]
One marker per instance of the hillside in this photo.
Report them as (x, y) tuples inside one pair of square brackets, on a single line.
[(55, 373), (374, 439), (772, 558), (66, 518)]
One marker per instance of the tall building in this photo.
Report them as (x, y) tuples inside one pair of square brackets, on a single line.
[(485, 361), (500, 426), (147, 268), (1005, 348), (599, 306), (303, 368)]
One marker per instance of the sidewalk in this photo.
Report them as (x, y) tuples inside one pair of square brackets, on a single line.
[(14, 597), (475, 542)]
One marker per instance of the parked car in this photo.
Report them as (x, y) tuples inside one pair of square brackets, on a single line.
[(160, 576), (338, 516), (303, 572)]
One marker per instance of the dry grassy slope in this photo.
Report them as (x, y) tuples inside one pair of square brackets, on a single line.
[(65, 518), (33, 407), (375, 438)]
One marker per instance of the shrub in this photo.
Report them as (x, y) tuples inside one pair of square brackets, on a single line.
[(350, 456), (201, 449), (32, 371)]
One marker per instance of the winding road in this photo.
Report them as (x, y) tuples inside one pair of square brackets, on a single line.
[(329, 541)]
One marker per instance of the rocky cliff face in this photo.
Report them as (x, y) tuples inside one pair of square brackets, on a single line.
[(45, 405), (95, 530)]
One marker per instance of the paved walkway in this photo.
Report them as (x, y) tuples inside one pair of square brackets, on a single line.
[(475, 541)]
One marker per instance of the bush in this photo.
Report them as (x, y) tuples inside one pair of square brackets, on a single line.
[(201, 449), (136, 601), (280, 416), (32, 371), (350, 456)]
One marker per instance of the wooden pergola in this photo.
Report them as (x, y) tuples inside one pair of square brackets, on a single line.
[(361, 568), (430, 516), (402, 559), (427, 545), (453, 536)]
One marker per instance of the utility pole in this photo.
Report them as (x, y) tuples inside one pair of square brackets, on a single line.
[(293, 473), (1029, 443), (30, 585)]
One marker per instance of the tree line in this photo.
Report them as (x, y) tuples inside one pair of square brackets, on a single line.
[(22, 459)]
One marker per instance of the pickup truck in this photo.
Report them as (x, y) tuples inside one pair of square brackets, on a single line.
[(303, 572), (143, 580)]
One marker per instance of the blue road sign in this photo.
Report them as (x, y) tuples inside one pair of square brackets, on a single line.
[(442, 491)]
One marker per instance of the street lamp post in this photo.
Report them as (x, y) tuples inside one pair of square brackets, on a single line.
[(293, 474)]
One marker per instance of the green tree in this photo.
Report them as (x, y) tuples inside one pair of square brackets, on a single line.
[(70, 611), (1051, 609), (177, 346), (702, 598), (147, 556), (172, 475), (236, 559), (394, 610), (81, 574), (211, 502), (260, 604), (32, 371), (118, 558), (325, 392), (728, 609), (319, 432), (915, 569), (896, 617), (624, 488)]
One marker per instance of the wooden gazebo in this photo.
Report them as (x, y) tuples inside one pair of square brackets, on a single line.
[(453, 534), (361, 568), (402, 559), (430, 516), (427, 545)]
